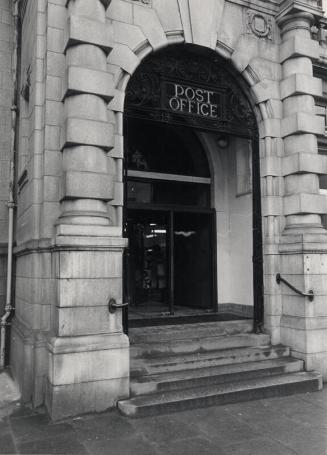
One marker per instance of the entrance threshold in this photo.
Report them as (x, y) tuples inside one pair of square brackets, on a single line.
[(182, 315)]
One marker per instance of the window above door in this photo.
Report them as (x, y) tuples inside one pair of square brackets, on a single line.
[(165, 149)]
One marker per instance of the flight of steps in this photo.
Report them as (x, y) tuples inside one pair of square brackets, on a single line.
[(179, 367)]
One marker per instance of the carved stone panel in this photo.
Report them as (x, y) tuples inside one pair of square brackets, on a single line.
[(259, 24)]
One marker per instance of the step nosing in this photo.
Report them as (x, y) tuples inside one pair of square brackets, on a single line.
[(203, 392), (221, 370), (171, 358)]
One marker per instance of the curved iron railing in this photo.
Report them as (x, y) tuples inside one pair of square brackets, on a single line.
[(280, 279)]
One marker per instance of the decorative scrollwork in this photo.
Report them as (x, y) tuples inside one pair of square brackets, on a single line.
[(144, 89), (147, 95)]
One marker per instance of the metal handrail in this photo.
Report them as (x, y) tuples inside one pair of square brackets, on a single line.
[(280, 279)]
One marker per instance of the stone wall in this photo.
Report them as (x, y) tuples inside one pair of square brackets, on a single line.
[(33, 291), (77, 59)]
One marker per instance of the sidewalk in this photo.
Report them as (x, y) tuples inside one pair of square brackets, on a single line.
[(279, 426)]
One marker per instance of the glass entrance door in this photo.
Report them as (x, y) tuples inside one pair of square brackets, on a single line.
[(170, 262), (193, 260), (148, 233)]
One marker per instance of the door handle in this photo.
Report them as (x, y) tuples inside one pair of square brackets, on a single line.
[(113, 305)]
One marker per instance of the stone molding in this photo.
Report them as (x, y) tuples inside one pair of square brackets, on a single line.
[(288, 8)]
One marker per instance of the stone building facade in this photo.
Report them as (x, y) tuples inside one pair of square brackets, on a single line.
[(77, 62)]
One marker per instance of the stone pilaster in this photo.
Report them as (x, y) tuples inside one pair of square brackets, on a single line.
[(303, 245), (88, 352), (300, 126)]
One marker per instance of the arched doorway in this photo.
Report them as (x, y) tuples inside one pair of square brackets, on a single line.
[(184, 108)]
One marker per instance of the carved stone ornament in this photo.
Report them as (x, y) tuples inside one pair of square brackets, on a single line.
[(259, 24), (180, 87)]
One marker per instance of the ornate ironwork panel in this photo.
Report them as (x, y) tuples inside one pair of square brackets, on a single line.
[(181, 87)]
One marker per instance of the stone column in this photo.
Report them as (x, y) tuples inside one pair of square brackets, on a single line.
[(88, 352), (303, 245), (87, 134), (300, 126)]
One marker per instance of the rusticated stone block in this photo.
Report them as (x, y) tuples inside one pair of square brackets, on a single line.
[(304, 162), (269, 127), (130, 35), (121, 11), (301, 183), (272, 206), (300, 103), (265, 90), (81, 30), (86, 80), (305, 203), (299, 65), (78, 131), (148, 21), (117, 103), (302, 122), (124, 58), (298, 46), (270, 165), (298, 84), (88, 185), (306, 143)]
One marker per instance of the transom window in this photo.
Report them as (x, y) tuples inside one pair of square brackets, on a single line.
[(166, 165)]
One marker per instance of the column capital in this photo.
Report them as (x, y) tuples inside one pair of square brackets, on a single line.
[(297, 14)]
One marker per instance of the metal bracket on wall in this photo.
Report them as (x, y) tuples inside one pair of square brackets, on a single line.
[(113, 305)]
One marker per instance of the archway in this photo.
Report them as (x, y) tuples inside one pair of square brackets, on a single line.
[(180, 102)]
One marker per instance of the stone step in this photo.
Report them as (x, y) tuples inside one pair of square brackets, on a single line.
[(196, 344), (157, 334), (212, 375), (224, 393), (161, 364)]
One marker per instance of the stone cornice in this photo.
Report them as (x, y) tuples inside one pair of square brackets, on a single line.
[(288, 7), (268, 6)]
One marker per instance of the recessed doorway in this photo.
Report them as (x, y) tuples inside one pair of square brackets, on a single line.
[(192, 207), (168, 221)]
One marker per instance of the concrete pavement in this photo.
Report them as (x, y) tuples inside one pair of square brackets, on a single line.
[(278, 426)]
